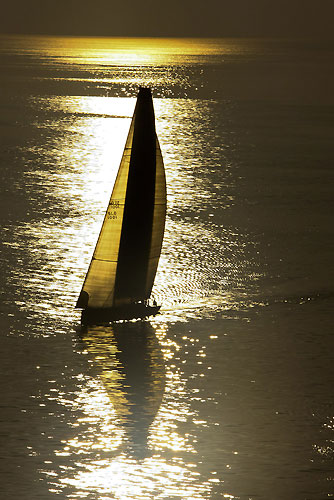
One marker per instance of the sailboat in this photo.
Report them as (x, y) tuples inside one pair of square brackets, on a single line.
[(121, 273)]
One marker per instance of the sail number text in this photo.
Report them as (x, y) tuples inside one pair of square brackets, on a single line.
[(112, 213)]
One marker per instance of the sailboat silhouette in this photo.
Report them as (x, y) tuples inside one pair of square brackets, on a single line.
[(121, 274)]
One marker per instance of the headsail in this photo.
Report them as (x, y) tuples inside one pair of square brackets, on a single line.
[(125, 260)]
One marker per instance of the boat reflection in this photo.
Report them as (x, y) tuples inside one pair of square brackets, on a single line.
[(129, 362)]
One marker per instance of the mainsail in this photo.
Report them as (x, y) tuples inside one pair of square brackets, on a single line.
[(125, 259)]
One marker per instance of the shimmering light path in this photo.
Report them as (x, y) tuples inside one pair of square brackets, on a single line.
[(227, 392)]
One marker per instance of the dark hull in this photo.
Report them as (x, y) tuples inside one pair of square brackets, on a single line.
[(98, 316)]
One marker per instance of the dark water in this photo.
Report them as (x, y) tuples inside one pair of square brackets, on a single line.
[(228, 392)]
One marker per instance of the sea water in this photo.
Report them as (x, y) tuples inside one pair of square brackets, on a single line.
[(227, 393)]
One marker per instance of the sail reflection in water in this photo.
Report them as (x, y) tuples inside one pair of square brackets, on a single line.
[(132, 405), (129, 362)]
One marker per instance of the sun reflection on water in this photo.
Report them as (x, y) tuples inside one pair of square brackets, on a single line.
[(121, 51), (138, 410), (132, 439)]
